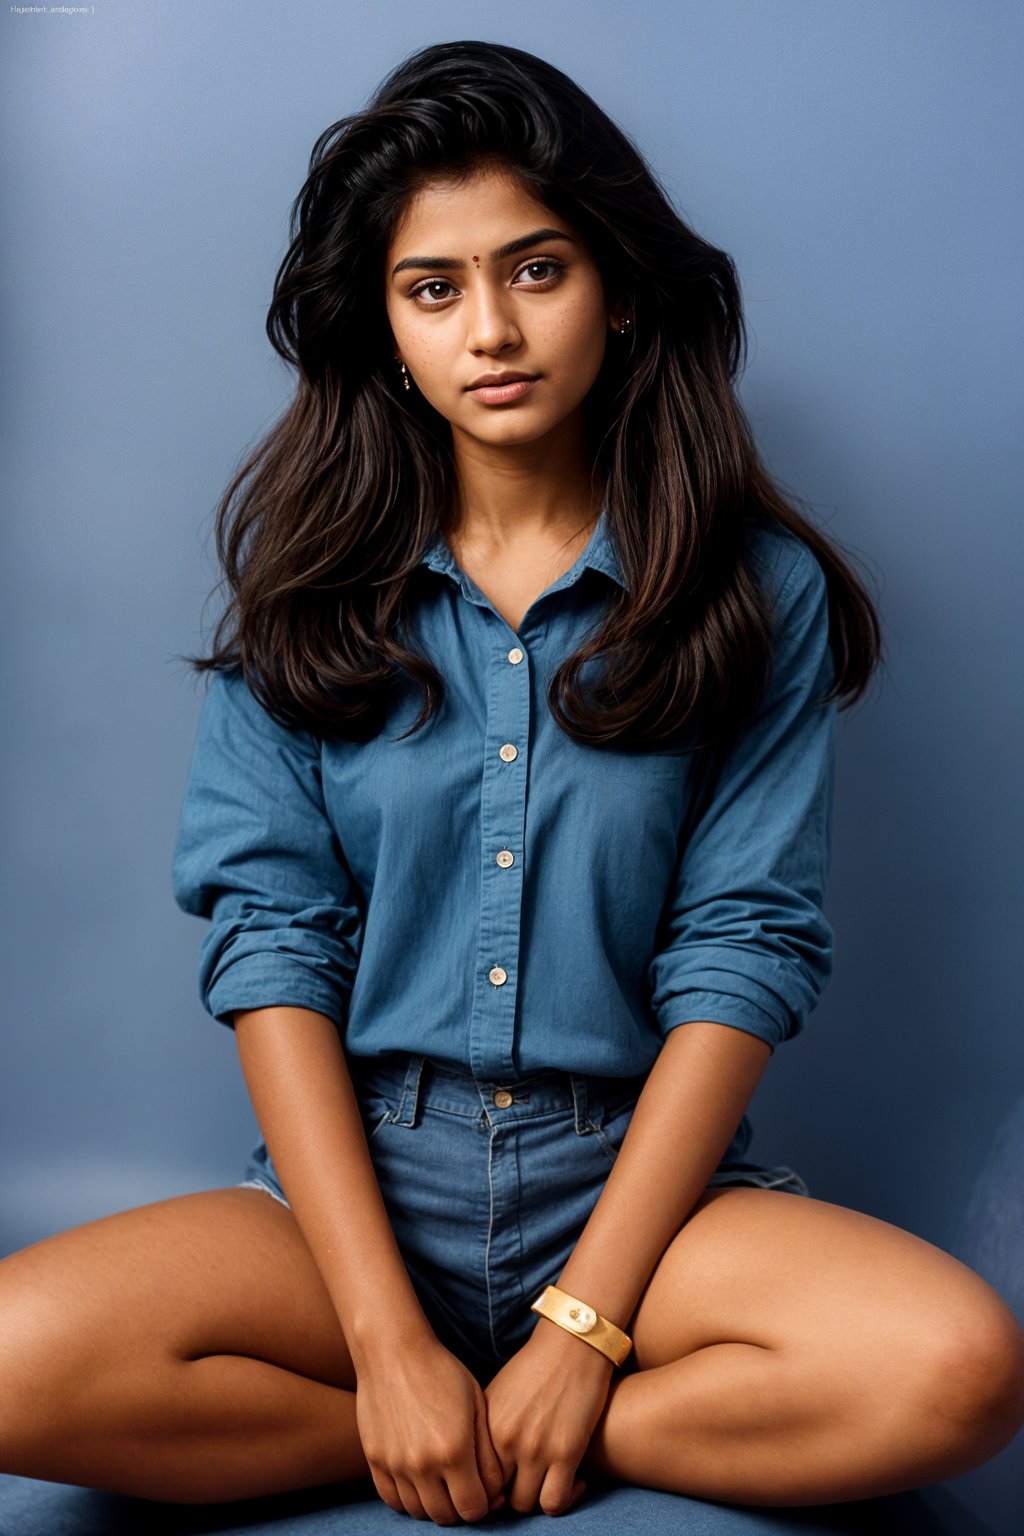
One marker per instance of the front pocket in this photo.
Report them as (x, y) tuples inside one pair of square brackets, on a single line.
[(381, 1123), (609, 1129), (376, 1111)]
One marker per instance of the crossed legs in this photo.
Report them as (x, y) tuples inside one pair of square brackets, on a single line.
[(786, 1351)]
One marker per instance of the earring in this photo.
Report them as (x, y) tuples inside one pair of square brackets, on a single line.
[(405, 376), (626, 326)]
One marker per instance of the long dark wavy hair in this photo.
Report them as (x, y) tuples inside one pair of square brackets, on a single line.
[(321, 530)]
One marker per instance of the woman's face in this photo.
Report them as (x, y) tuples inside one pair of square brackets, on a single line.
[(462, 309)]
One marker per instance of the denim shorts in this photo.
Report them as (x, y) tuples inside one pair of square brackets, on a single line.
[(488, 1185)]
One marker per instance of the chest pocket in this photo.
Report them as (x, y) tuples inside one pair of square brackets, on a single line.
[(667, 767)]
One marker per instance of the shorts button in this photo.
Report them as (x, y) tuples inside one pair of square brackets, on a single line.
[(502, 1098)]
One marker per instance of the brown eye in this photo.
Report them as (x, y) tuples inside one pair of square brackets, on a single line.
[(555, 266), (433, 282)]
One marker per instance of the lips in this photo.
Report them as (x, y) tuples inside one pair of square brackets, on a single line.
[(503, 394), (497, 380)]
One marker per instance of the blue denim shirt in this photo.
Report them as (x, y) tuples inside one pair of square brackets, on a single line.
[(496, 895)]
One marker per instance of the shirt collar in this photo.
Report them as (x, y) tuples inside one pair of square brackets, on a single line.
[(599, 553)]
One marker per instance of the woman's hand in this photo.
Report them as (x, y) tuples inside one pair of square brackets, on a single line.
[(422, 1421), (542, 1408)]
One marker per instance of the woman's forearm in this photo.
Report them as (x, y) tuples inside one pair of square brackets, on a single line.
[(298, 1079), (686, 1116)]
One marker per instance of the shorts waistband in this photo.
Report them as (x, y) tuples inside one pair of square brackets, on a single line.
[(411, 1081)]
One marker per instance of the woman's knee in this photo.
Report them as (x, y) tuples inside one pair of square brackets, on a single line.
[(976, 1377)]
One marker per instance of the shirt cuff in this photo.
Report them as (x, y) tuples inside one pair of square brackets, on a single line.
[(271, 981), (765, 994), (724, 1007)]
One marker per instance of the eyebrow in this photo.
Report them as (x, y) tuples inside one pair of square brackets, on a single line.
[(445, 263)]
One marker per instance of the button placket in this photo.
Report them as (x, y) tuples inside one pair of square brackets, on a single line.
[(502, 830)]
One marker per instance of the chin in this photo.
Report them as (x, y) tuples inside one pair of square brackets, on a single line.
[(516, 434)]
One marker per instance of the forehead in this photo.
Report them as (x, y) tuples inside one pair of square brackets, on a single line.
[(485, 201)]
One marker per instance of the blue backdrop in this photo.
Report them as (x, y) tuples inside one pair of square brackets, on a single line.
[(859, 162)]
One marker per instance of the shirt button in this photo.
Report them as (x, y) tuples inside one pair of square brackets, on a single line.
[(502, 1098), (515, 655), (508, 753), (497, 975), (505, 858)]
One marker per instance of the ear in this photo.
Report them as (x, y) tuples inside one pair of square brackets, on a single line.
[(618, 310)]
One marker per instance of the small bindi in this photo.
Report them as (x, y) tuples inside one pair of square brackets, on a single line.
[(476, 258)]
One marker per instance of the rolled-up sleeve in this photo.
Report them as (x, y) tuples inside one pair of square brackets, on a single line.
[(743, 939), (257, 855)]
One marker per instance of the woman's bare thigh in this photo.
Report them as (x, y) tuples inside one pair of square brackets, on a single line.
[(222, 1271), (881, 1309)]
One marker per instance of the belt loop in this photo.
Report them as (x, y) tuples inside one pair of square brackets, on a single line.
[(578, 1083), (405, 1114)]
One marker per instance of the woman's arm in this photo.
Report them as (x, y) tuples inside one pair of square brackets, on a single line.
[(421, 1416), (259, 856), (301, 1090), (745, 943), (691, 1104)]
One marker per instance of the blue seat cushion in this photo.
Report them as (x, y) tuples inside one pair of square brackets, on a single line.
[(32, 1508)]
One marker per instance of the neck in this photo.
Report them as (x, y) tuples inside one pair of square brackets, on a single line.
[(542, 491)]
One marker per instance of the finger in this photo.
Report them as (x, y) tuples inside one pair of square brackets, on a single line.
[(468, 1494), (492, 1474), (525, 1488), (437, 1500), (558, 1490), (385, 1486), (411, 1502)]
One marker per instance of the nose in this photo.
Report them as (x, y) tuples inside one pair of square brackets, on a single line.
[(490, 319)]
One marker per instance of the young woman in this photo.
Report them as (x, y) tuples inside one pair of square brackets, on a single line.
[(510, 808)]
